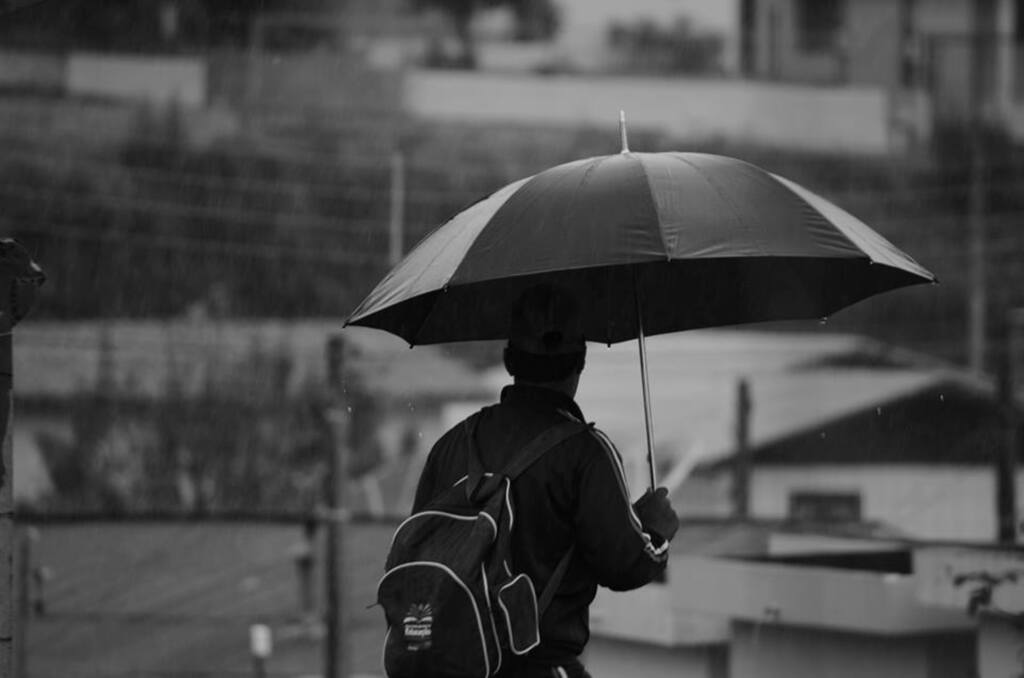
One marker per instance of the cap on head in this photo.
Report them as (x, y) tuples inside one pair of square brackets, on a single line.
[(546, 321)]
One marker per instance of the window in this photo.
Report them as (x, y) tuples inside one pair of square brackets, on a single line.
[(824, 507), (818, 24)]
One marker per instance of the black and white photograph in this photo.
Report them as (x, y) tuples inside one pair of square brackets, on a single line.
[(512, 338)]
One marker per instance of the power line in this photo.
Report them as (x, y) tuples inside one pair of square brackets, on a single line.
[(206, 246), (192, 178), (326, 224), (175, 208), (1009, 245), (244, 183), (270, 149), (17, 7)]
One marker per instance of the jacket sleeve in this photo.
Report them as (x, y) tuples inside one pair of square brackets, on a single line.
[(609, 536)]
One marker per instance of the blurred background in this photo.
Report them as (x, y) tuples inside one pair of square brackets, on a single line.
[(207, 469)]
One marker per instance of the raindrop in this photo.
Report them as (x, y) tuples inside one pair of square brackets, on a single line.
[(878, 411), (823, 320), (822, 435), (349, 408), (942, 397)]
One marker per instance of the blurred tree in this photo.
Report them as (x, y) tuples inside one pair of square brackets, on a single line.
[(535, 20), (242, 442), (646, 46), (135, 25)]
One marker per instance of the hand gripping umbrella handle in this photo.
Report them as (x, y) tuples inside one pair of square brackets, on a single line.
[(641, 340)]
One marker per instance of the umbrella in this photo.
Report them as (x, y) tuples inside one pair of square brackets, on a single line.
[(648, 243)]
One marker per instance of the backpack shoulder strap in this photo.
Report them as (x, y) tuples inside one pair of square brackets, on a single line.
[(530, 453), (536, 448), (548, 594)]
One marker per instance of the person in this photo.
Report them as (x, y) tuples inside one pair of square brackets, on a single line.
[(575, 495)]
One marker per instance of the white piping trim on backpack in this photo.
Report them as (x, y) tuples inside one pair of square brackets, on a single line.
[(384, 653), (508, 497), (456, 516), (561, 672), (476, 608), (508, 504), (490, 611), (508, 620)]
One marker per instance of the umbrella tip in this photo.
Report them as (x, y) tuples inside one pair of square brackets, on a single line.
[(622, 131)]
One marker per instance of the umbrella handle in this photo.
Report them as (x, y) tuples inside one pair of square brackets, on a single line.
[(648, 419)]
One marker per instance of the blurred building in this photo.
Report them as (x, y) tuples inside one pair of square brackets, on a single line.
[(941, 61), (835, 427), (757, 598), (922, 457)]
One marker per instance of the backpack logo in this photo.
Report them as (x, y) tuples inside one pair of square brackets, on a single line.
[(418, 627)]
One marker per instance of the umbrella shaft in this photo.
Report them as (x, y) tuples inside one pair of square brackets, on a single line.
[(648, 419)]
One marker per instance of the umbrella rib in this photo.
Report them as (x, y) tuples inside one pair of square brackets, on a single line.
[(654, 202), (509, 189), (725, 199), (795, 190)]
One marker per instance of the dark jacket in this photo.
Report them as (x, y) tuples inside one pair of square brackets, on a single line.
[(575, 494)]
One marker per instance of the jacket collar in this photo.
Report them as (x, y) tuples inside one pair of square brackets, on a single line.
[(541, 399)]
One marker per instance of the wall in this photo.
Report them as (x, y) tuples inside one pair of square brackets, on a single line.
[(316, 80), (159, 80), (941, 502), (31, 70), (775, 651), (853, 119), (608, 657)]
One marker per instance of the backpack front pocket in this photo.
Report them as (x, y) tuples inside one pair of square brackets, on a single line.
[(435, 623), (518, 603)]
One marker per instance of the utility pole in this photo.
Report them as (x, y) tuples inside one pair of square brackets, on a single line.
[(25, 540), (397, 222), (20, 279), (981, 70), (1007, 455), (336, 655), (976, 252), (742, 461)]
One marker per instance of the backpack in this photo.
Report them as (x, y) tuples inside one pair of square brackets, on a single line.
[(453, 603)]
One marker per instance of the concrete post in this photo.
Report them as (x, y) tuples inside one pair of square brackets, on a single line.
[(20, 279), (336, 650), (742, 462)]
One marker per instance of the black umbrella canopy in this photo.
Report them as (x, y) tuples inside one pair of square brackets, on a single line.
[(685, 240)]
